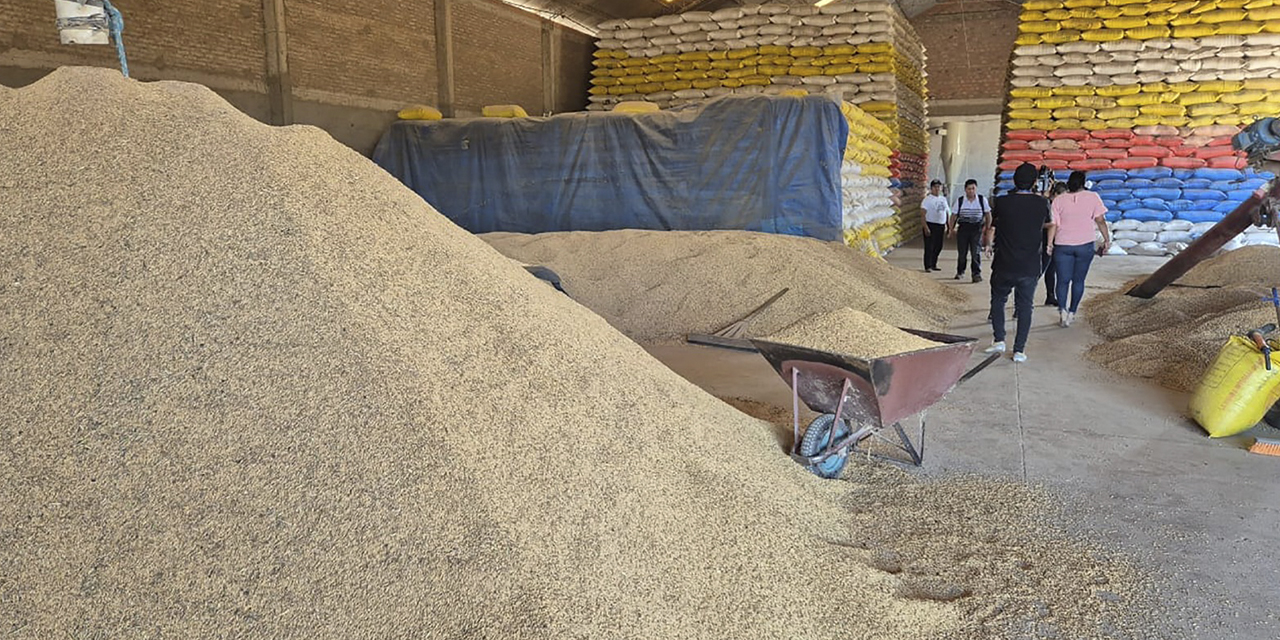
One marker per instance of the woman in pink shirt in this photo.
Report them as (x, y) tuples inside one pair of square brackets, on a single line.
[(1076, 215)]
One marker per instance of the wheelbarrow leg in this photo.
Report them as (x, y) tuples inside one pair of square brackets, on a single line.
[(917, 454)]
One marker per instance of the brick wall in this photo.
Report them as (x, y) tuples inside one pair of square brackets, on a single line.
[(969, 43), (497, 54), (362, 51)]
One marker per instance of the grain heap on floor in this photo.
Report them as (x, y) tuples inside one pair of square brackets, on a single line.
[(851, 333), (662, 285), (1174, 336)]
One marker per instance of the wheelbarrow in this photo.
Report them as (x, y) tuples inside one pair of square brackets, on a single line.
[(859, 398)]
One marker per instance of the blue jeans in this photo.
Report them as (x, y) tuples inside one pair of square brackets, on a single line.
[(1024, 292), (1072, 264)]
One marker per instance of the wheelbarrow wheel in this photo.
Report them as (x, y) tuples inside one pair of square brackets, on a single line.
[(817, 437)]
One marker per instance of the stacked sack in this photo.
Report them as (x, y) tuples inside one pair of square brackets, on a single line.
[(869, 219), (1145, 96), (864, 52)]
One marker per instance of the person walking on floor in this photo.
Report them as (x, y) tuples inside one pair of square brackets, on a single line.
[(936, 212), (1046, 258), (971, 216), (1076, 215), (1014, 235)]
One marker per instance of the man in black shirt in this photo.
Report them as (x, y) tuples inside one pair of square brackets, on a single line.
[(1016, 224)]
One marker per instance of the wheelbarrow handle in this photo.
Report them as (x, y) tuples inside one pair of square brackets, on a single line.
[(977, 368)]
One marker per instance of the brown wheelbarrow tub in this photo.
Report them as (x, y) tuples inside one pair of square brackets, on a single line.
[(858, 398)]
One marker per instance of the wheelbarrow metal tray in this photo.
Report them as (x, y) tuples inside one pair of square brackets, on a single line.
[(886, 390)]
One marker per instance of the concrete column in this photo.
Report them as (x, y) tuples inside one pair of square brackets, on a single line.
[(444, 57), (550, 60), (953, 149), (279, 82)]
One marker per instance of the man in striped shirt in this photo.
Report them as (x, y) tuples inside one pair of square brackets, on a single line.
[(971, 216)]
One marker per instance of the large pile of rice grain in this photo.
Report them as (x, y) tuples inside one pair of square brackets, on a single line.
[(255, 387), (851, 333), (1173, 337), (658, 286)]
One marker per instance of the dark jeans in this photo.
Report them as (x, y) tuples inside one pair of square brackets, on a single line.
[(969, 245), (933, 244), (1072, 263), (1050, 276), (1024, 292)]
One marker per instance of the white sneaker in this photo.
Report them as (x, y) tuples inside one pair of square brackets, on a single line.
[(996, 347), (1071, 317), (1019, 356), (1064, 318)]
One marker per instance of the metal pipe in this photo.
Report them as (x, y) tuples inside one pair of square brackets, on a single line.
[(1232, 225)]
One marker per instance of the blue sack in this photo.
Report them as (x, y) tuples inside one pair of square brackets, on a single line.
[(1203, 194), (1182, 205), (1148, 215), (1201, 216), (1224, 185), (1113, 216), (1110, 204), (1006, 185), (1157, 192), (1252, 183), (1239, 195), (1184, 174), (1140, 183), (1169, 183), (1107, 174), (1129, 205), (1151, 173), (1109, 184), (1159, 204), (1197, 183), (1005, 175), (1219, 174), (1115, 194)]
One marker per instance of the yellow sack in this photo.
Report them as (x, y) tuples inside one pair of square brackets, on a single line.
[(662, 77), (1183, 6), (598, 91), (1241, 28), (741, 72), (1041, 5), (1017, 125), (806, 52), (619, 90), (1074, 113), (731, 83), (1205, 121), (1197, 97), (1221, 86), (650, 87), (1074, 91), (1118, 112), (1148, 33), (1184, 20), (1057, 14), (1183, 87), (420, 112), (1103, 35), (805, 71), (1083, 24), (1060, 37), (1163, 109), (1223, 15), (774, 70), (677, 85), (1229, 119), (1122, 123), (665, 68), (695, 55), (1242, 97), (1030, 92), (1266, 84), (739, 54), (1107, 13), (1121, 3), (725, 64), (1027, 38), (1155, 87), (1138, 99), (1095, 125), (794, 93), (839, 69), (1055, 102), (1126, 22), (774, 50), (1030, 114), (503, 111), (690, 75), (1263, 14), (664, 59), (1215, 109), (635, 62), (605, 82), (875, 47), (1195, 31), (756, 81), (1257, 109), (1075, 4), (1236, 390), (715, 55), (1027, 103), (635, 106), (631, 81), (1033, 16), (1095, 102), (706, 83), (1259, 4), (833, 50), (876, 106), (1271, 26), (875, 67), (1148, 120)]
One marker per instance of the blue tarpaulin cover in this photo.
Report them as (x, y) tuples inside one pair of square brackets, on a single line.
[(756, 163)]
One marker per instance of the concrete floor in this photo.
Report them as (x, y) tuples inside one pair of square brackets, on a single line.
[(1135, 474)]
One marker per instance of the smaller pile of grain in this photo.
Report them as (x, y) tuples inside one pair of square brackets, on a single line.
[(1173, 337), (853, 333)]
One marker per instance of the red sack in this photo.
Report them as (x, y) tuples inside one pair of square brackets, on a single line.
[(1221, 141), (1135, 163), (1064, 154), (1109, 154), (1228, 163), (1150, 151), (1206, 153), (1093, 164), (1068, 134), (1026, 134), (1092, 143), (1010, 165), (1169, 141), (1055, 164), (1022, 156), (1185, 152), (1118, 143), (1015, 145), (1182, 163), (1108, 134), (1143, 141)]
